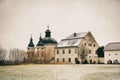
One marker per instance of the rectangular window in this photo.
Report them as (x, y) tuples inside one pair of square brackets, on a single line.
[(85, 44), (89, 51), (90, 44), (57, 59), (69, 51), (63, 51), (57, 51), (63, 60), (69, 59)]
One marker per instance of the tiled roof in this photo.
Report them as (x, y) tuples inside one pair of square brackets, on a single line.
[(72, 40), (112, 46)]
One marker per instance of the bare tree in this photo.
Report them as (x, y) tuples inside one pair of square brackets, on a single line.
[(17, 56), (3, 54)]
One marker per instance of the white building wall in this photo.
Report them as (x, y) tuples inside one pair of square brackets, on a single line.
[(112, 55)]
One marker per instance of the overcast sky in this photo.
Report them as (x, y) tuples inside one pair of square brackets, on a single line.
[(21, 18)]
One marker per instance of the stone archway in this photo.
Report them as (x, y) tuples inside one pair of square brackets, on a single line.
[(109, 61)]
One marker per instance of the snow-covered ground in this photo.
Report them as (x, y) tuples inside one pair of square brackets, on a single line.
[(60, 72)]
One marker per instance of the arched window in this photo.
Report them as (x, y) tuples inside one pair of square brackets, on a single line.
[(94, 45)]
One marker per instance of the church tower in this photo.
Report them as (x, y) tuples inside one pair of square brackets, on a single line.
[(49, 45), (40, 51), (43, 52), (31, 51), (45, 48)]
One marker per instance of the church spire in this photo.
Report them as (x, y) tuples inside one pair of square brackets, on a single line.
[(31, 42), (40, 37), (31, 38), (48, 26), (40, 41)]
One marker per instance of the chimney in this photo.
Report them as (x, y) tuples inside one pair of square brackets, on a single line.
[(74, 34)]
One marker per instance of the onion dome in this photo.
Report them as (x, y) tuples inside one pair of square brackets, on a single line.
[(48, 38), (40, 42), (31, 42), (48, 33)]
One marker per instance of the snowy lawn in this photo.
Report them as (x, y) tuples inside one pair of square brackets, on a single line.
[(60, 72)]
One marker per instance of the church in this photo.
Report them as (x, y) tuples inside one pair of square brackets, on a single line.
[(77, 48), (43, 52)]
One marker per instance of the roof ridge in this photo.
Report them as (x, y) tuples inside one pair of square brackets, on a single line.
[(71, 36), (113, 43), (83, 32)]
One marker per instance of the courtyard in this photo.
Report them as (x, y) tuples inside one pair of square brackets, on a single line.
[(60, 72)]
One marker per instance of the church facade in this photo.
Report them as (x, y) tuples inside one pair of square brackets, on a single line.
[(76, 49), (43, 52)]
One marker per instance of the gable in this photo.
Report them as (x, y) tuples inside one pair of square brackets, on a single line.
[(89, 40)]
